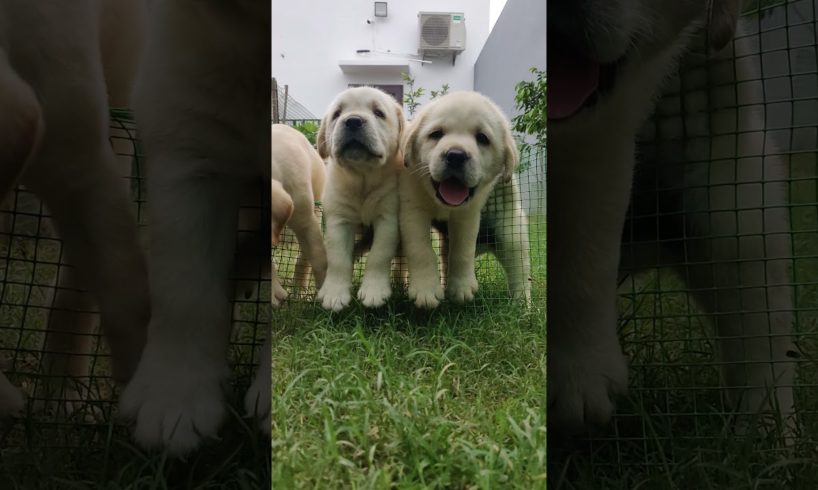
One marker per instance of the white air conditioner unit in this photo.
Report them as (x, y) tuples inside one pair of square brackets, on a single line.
[(442, 33)]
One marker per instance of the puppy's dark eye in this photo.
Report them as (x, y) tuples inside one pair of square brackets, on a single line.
[(436, 134), (336, 114), (482, 138), (379, 113)]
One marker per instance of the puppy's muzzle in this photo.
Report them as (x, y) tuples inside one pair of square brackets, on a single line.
[(355, 143), (579, 78), (451, 188)]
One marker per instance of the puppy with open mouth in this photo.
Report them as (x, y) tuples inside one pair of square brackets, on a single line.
[(456, 150), (360, 135), (612, 213)]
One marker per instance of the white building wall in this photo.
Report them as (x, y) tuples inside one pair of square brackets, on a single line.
[(310, 37), (516, 44)]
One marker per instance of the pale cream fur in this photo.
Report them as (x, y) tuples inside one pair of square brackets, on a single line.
[(590, 174), (298, 175), (361, 191), (54, 139)]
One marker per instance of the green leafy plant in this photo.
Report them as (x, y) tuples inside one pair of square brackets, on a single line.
[(531, 102), (308, 129), (444, 89), (411, 98)]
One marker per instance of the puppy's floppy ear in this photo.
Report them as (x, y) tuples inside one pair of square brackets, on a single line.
[(282, 209), (321, 139), (511, 153), (722, 18), (401, 128), (401, 119), (410, 140)]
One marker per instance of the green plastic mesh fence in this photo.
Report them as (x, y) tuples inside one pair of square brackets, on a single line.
[(83, 413), (675, 429)]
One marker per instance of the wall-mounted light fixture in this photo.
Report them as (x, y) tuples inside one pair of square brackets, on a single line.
[(380, 9)]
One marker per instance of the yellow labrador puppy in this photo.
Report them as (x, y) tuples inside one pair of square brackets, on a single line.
[(360, 134), (60, 64), (298, 176), (730, 242), (457, 149)]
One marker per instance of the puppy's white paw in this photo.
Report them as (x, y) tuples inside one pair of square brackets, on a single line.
[(425, 295), (522, 295), (462, 289), (582, 386), (12, 401), (334, 294), (279, 294), (258, 402), (173, 406), (373, 293)]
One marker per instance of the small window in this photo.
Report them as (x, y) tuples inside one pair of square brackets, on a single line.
[(395, 91)]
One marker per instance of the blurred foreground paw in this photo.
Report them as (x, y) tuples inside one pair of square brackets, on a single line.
[(583, 386), (174, 407)]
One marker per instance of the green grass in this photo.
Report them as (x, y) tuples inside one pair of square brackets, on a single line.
[(403, 399), (73, 455)]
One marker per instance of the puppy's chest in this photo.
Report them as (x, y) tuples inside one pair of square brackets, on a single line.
[(361, 199), (369, 207)]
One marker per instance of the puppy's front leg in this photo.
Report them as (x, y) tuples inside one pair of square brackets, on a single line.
[(21, 126), (461, 282), (512, 243), (258, 401), (94, 218), (740, 272), (68, 346), (588, 190), (375, 287), (340, 238), (424, 278), (279, 293), (307, 230), (175, 396)]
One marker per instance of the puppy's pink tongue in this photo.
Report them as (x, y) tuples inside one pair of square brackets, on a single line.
[(453, 192), (572, 79)]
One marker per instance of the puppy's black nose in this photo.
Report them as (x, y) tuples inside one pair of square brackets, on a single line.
[(354, 122), (456, 157)]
